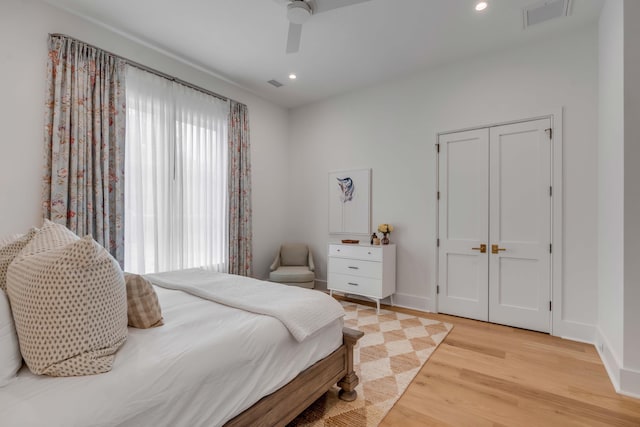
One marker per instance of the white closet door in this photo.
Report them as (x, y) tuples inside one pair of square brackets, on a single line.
[(463, 222), (520, 225)]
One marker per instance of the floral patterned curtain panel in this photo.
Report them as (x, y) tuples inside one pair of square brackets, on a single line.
[(84, 142), (240, 235)]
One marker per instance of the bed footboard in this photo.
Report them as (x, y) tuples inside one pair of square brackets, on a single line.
[(349, 382), (283, 405)]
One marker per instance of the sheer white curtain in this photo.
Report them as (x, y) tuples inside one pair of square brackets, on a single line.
[(175, 176)]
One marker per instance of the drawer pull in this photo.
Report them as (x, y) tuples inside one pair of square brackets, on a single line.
[(369, 253), (354, 268), (352, 284)]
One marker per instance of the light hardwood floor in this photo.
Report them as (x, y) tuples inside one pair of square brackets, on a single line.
[(491, 375)]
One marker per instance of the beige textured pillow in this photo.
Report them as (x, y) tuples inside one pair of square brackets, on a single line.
[(10, 238), (70, 308), (143, 308), (50, 236), (9, 251)]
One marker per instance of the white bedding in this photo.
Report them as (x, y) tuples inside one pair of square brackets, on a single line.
[(303, 312), (208, 363)]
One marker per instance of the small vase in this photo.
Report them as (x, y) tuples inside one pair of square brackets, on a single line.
[(385, 239)]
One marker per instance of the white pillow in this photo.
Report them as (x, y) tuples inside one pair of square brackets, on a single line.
[(10, 357)]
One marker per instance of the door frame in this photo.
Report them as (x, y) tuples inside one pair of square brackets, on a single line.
[(555, 282)]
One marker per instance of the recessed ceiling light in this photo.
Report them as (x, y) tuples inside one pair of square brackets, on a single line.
[(481, 5), (293, 76)]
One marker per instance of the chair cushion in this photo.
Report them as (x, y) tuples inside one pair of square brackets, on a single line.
[(294, 254), (292, 274)]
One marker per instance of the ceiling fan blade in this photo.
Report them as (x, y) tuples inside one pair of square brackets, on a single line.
[(293, 39), (320, 6)]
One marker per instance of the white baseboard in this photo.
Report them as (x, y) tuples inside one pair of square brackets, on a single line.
[(625, 381), (413, 302), (575, 331), (361, 298), (609, 359), (630, 383)]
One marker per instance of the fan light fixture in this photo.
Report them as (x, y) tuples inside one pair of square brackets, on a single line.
[(481, 5), (293, 76), (298, 12)]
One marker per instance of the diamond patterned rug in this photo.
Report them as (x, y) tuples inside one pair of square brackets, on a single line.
[(393, 349)]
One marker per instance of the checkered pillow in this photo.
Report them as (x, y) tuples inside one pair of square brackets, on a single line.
[(143, 308)]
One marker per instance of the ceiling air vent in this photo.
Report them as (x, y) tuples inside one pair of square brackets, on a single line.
[(274, 83), (546, 10)]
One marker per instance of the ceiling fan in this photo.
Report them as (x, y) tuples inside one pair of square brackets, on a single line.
[(299, 12)]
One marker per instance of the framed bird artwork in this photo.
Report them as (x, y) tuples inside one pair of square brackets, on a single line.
[(350, 201)]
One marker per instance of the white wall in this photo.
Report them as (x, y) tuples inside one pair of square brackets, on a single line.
[(24, 25), (630, 381), (392, 129), (611, 181), (619, 194)]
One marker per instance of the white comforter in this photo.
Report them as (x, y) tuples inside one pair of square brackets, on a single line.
[(302, 311), (208, 363)]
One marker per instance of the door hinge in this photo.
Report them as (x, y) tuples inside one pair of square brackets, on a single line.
[(549, 132), (437, 148), (437, 289), (549, 305), (550, 191), (550, 248), (438, 242), (438, 195)]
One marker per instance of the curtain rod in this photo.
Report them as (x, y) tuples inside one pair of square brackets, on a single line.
[(148, 69)]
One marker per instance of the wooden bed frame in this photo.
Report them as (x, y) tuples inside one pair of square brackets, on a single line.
[(282, 406)]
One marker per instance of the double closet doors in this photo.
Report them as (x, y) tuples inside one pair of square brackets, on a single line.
[(494, 220)]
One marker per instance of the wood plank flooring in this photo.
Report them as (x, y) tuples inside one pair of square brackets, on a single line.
[(492, 375)]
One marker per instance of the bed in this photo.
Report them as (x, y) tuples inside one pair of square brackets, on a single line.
[(209, 365)]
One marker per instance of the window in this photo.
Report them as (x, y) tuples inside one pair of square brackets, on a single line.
[(175, 176)]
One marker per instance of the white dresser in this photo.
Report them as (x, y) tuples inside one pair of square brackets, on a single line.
[(365, 270)]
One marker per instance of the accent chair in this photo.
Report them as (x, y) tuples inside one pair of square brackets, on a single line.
[(293, 266)]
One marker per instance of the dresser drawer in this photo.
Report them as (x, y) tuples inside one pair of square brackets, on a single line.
[(356, 267), (355, 285), (354, 251)]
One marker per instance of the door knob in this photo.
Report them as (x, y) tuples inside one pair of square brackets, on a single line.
[(495, 249), (482, 248)]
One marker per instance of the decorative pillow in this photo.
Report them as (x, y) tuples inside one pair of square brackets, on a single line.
[(50, 236), (5, 240), (10, 357), (9, 251), (70, 308), (294, 254), (143, 308)]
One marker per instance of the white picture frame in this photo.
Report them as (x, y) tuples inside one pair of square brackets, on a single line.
[(350, 202)]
